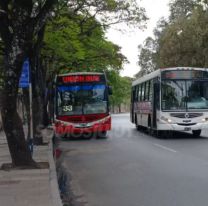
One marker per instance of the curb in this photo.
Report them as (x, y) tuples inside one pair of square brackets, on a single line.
[(55, 194)]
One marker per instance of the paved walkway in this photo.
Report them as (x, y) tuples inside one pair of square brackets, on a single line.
[(29, 187)]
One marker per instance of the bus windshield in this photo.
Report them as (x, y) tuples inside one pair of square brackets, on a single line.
[(81, 99), (184, 94)]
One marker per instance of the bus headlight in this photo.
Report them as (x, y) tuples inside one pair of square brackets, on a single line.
[(205, 119), (169, 120), (166, 119)]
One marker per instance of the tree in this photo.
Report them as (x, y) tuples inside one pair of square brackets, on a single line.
[(146, 57), (149, 59), (70, 48), (20, 21), (184, 42), (109, 12), (180, 41), (71, 43), (181, 8), (121, 87)]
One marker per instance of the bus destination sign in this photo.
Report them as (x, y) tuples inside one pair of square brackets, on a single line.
[(185, 74), (79, 78)]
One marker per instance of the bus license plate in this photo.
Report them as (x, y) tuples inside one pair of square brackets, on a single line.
[(187, 129)]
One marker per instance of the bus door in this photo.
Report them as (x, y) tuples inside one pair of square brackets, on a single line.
[(156, 101), (132, 105)]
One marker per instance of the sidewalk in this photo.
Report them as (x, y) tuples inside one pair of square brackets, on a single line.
[(29, 187)]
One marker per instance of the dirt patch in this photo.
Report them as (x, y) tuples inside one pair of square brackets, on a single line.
[(38, 165)]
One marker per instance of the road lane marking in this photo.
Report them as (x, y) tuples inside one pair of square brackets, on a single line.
[(165, 148)]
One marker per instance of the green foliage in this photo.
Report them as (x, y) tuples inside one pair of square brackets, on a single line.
[(111, 11), (72, 43), (185, 42), (75, 39), (181, 8), (71, 47), (181, 41), (146, 57), (121, 87)]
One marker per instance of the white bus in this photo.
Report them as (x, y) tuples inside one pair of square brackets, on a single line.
[(171, 99)]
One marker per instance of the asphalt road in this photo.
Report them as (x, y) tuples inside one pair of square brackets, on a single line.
[(131, 168)]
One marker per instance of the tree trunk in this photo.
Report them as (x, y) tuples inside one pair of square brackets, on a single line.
[(50, 102), (1, 125), (119, 108), (37, 117), (38, 83), (12, 124), (19, 23), (113, 108)]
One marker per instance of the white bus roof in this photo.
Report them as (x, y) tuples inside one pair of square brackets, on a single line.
[(157, 73)]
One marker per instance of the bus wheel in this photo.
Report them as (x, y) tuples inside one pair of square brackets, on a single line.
[(196, 133), (162, 134), (138, 127), (102, 135), (87, 136), (64, 137), (159, 133), (149, 128)]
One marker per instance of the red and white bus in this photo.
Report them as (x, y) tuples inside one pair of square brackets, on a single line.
[(171, 99), (82, 104)]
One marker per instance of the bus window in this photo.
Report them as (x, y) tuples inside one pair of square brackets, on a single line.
[(197, 97), (157, 94), (133, 94), (147, 91), (138, 93), (150, 90), (142, 92), (144, 98)]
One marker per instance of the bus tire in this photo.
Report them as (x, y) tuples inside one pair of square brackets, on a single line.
[(163, 134), (196, 133), (65, 137), (159, 134), (149, 127), (102, 135)]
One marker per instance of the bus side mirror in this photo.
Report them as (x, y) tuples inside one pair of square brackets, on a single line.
[(110, 91)]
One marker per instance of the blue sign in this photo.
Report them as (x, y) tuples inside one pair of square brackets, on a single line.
[(25, 76)]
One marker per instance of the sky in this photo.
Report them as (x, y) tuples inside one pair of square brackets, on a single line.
[(129, 41)]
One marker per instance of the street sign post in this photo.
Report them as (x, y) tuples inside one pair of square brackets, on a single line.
[(25, 82), (25, 75)]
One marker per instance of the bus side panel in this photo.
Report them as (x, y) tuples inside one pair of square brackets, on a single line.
[(144, 120), (139, 119), (145, 110)]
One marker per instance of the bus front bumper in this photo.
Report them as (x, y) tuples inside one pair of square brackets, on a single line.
[(65, 128), (178, 127)]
